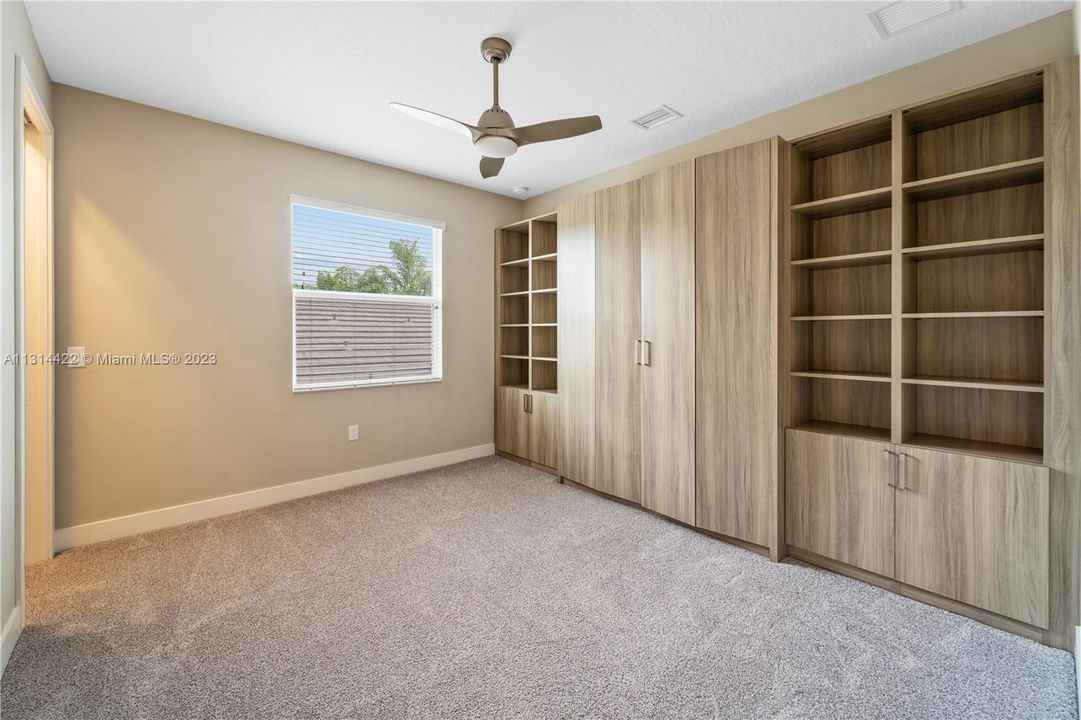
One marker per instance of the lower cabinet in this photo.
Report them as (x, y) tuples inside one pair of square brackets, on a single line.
[(511, 421), (527, 425), (972, 529), (544, 429), (976, 530), (837, 502)]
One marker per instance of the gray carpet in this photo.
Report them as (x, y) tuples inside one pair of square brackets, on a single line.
[(486, 590)]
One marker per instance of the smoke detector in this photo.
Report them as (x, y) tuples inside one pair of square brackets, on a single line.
[(899, 16)]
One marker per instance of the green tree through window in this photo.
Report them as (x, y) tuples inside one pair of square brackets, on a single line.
[(409, 276)]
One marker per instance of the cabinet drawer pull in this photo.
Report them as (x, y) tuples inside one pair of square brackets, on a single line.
[(647, 355), (893, 470)]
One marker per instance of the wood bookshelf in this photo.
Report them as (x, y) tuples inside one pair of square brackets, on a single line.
[(526, 319), (916, 274)]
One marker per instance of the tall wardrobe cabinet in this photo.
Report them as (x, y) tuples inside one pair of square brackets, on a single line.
[(737, 231), (626, 328)]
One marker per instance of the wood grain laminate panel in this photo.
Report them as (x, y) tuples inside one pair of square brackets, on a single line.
[(996, 213), (999, 281), (975, 530), (668, 269), (863, 168), (619, 326), (839, 498), (577, 367), (1062, 451), (736, 379), (512, 422), (544, 429), (1002, 137)]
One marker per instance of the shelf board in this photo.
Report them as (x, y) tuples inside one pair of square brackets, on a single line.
[(512, 263), (1010, 174), (545, 324), (514, 357), (1017, 243), (865, 432), (989, 314), (842, 375), (539, 291), (547, 256), (845, 204), (977, 384), (976, 447), (514, 294), (545, 359), (514, 325), (550, 391), (878, 257), (516, 386), (820, 318)]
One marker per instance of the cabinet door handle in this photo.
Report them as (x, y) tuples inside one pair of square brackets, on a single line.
[(893, 470), (637, 352), (904, 473), (527, 403), (647, 355)]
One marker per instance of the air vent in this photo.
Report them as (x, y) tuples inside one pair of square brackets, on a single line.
[(906, 14), (653, 118)]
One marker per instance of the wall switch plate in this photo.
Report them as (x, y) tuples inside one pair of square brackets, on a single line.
[(354, 432), (76, 356)]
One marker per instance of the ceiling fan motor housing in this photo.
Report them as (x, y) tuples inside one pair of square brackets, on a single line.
[(495, 50)]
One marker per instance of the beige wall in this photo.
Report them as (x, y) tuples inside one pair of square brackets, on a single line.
[(172, 234), (1027, 47), (17, 48)]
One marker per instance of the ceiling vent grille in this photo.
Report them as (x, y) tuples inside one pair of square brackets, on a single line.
[(906, 14), (653, 118)]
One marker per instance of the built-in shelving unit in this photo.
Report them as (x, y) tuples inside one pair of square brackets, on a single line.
[(527, 302), (916, 275)]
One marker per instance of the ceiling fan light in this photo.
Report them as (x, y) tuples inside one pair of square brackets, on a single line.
[(496, 146)]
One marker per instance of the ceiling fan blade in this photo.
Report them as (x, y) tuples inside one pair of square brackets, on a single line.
[(438, 120), (490, 167), (553, 130)]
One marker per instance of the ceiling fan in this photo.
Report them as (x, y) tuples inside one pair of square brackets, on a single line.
[(494, 135)]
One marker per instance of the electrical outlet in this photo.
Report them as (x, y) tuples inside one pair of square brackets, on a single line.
[(354, 432), (76, 357)]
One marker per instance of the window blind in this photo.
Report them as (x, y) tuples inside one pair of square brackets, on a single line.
[(366, 298)]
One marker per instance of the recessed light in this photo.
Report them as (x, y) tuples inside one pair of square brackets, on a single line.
[(520, 190)]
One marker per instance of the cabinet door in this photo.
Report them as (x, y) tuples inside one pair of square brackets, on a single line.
[(839, 498), (577, 368), (667, 201), (544, 429), (511, 421), (736, 344), (619, 326), (976, 530)]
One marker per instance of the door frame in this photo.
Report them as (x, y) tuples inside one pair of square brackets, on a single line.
[(29, 102)]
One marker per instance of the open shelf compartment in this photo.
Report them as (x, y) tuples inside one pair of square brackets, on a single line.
[(981, 421), (849, 161), (996, 126), (861, 407), (857, 348)]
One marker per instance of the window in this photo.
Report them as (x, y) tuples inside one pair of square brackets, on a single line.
[(366, 297)]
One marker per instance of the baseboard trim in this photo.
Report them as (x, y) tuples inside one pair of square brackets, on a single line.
[(10, 635), (101, 530), (1077, 662)]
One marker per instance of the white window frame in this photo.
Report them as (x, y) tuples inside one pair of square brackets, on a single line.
[(436, 300)]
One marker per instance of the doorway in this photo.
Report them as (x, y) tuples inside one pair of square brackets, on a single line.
[(34, 328)]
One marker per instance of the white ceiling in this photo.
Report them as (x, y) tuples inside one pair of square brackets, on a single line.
[(322, 74)]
